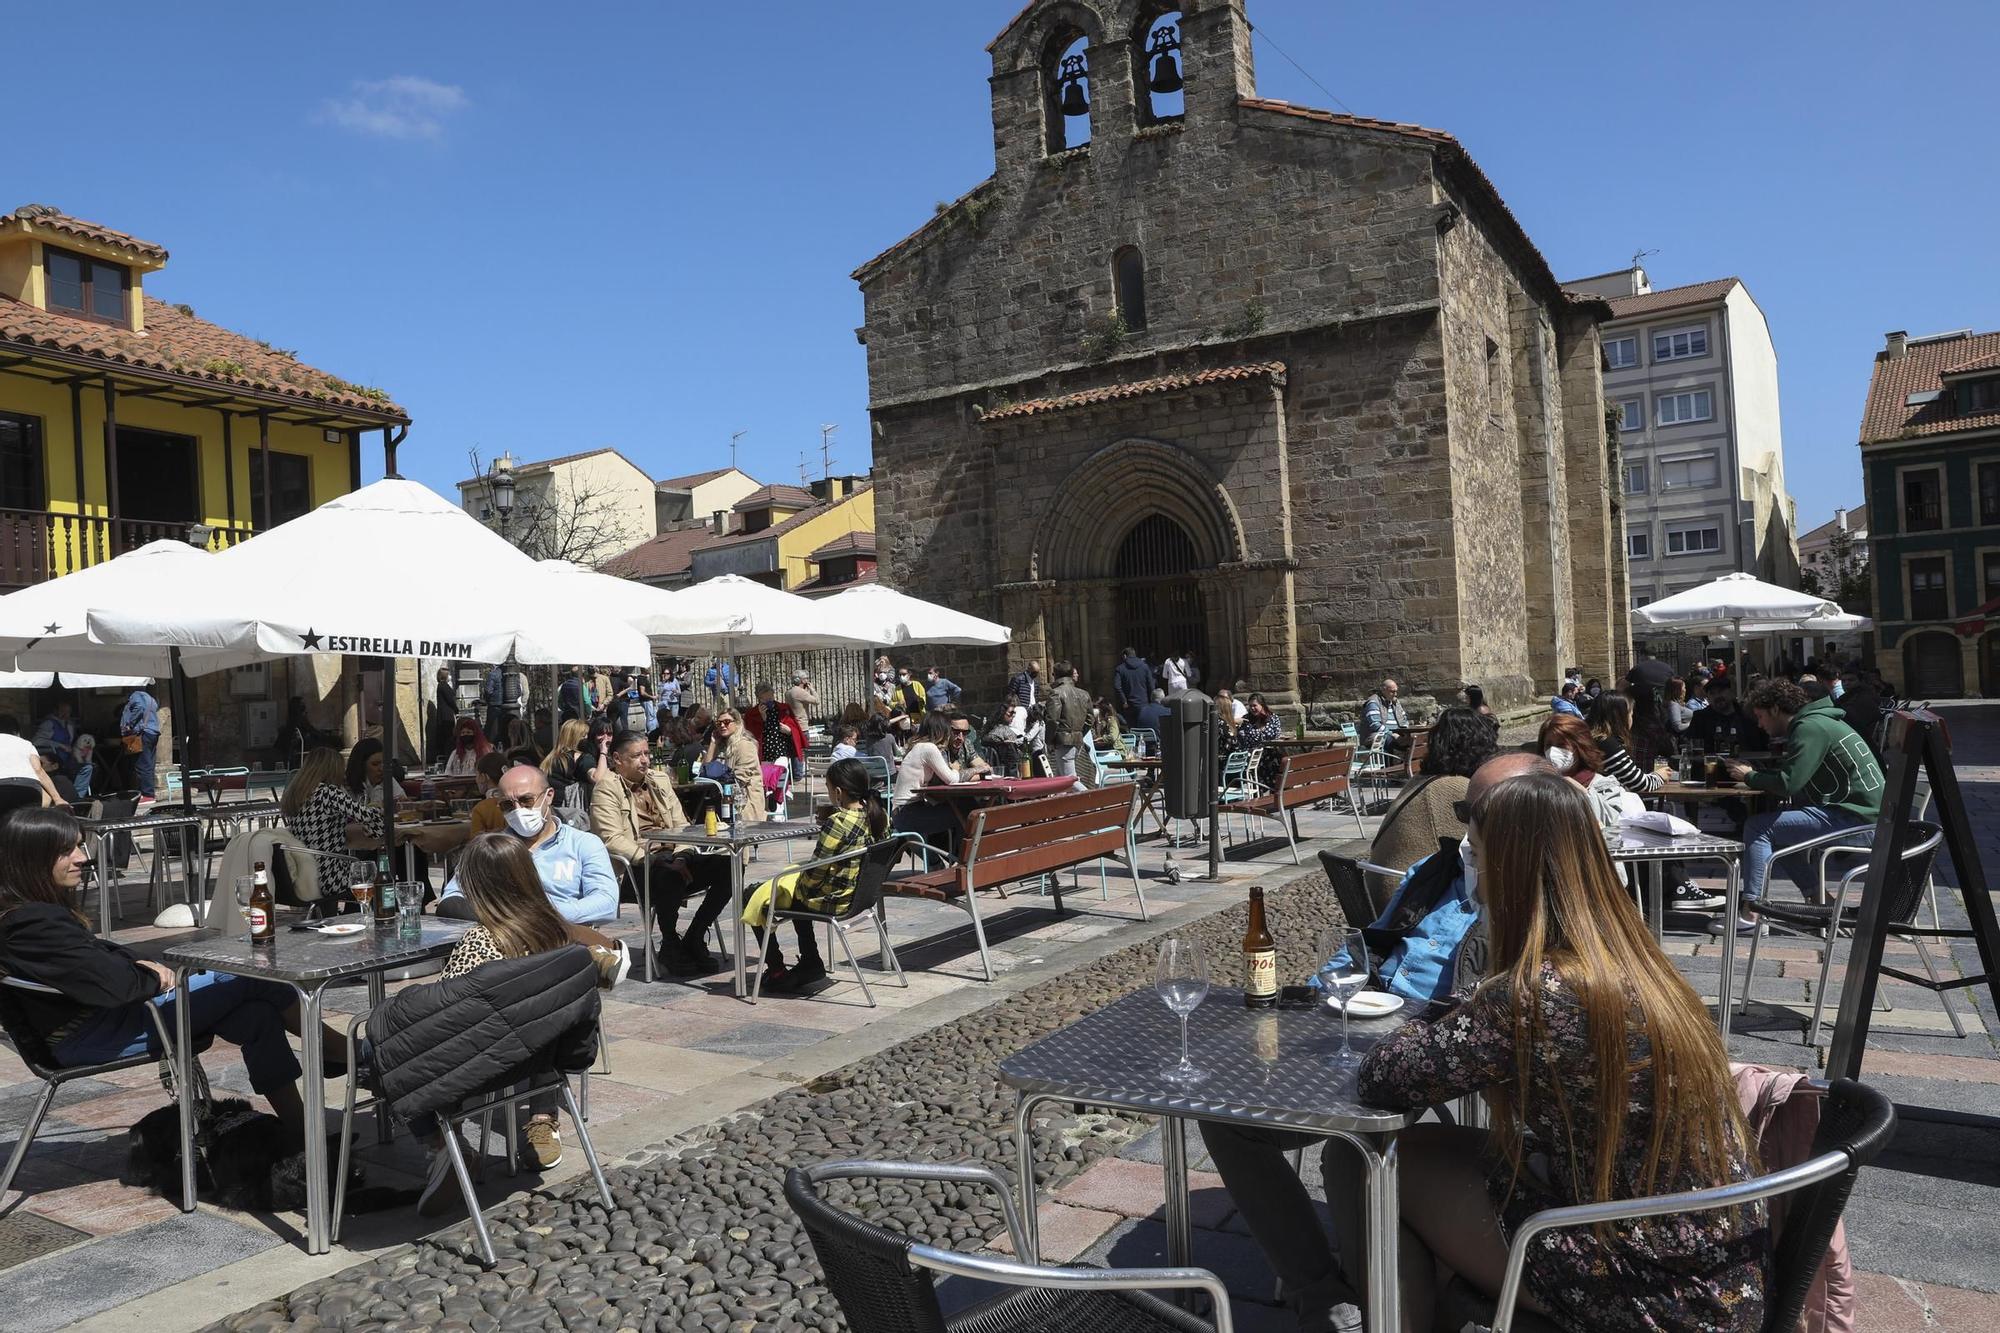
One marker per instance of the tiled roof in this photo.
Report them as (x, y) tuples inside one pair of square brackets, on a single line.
[(688, 483), (541, 465), (1111, 393), (847, 543), (818, 507), (663, 557), (178, 344), (1920, 369), (780, 496), (41, 215), (1672, 298), (1857, 521), (1990, 361)]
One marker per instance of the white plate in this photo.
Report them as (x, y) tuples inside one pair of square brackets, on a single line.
[(341, 928), (1373, 1004)]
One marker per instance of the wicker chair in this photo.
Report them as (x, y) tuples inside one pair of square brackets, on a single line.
[(886, 1283)]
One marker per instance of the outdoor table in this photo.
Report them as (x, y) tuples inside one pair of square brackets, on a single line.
[(736, 840), (966, 797), (1644, 847), (307, 962), (434, 837), (186, 819), (257, 814), (1266, 1067)]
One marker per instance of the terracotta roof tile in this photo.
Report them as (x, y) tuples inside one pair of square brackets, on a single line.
[(693, 480), (1990, 361), (178, 344), (1889, 414), (1111, 393), (848, 543), (41, 215), (1672, 298), (665, 556), (1857, 521), (779, 495)]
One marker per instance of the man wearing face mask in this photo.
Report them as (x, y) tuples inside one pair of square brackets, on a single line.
[(575, 868), (1429, 945)]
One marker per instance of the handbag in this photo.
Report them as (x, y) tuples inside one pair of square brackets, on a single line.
[(133, 744)]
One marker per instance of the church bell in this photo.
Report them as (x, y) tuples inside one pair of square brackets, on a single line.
[(1166, 69), (1075, 102)]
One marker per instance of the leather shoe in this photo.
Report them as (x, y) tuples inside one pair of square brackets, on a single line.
[(700, 962)]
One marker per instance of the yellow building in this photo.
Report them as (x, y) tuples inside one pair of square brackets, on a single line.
[(125, 419), (777, 531)]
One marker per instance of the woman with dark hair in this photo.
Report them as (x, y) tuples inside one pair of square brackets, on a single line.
[(99, 1013), (1678, 712), (1610, 720), (1422, 814), (927, 765), (1475, 699), (1569, 747), (1653, 735), (854, 819), (365, 772), (468, 746), (317, 806), (1606, 1081)]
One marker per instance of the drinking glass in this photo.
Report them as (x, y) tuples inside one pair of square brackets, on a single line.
[(1339, 984), (245, 886), (1181, 979), (361, 885), (410, 911)]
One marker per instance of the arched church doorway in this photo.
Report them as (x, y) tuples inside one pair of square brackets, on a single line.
[(1159, 605)]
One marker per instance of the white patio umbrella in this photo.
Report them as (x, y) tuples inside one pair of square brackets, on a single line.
[(44, 627), (889, 619), (668, 617), (71, 680), (1734, 600), (742, 615)]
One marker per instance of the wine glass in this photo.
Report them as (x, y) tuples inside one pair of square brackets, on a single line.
[(1343, 971), (1181, 979), (361, 885)]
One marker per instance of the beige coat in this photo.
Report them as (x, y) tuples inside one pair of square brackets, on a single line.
[(1420, 815), (614, 815), (741, 756)]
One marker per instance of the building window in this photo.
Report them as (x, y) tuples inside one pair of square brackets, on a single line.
[(1157, 70), (1621, 353), (1928, 597), (83, 286), (1640, 599), (291, 487), (1989, 494), (1639, 546), (1128, 273), (1989, 581), (1679, 344), (1694, 539), (22, 484), (1923, 501), (1680, 473), (1677, 409), (1635, 479), (1631, 414), (1976, 397), (1066, 88)]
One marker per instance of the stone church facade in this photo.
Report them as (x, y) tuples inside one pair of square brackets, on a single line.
[(1289, 389)]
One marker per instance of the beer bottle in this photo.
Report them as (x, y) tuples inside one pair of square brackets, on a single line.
[(729, 802), (385, 890), (260, 914), (1260, 958)]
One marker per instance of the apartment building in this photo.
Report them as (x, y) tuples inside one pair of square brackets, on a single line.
[(1693, 377)]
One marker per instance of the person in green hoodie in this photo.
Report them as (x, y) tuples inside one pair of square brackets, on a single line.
[(1827, 772)]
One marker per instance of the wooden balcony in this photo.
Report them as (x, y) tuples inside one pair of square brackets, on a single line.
[(36, 545)]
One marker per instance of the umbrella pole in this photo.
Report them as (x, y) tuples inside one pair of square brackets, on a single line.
[(177, 691), (389, 757)]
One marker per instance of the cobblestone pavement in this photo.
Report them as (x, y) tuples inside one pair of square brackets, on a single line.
[(700, 1238)]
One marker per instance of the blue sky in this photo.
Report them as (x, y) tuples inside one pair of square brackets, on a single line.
[(549, 229)]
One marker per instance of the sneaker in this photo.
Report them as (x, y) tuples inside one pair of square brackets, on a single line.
[(545, 1142), (774, 978), (1743, 928), (1691, 897), (441, 1194), (613, 965)]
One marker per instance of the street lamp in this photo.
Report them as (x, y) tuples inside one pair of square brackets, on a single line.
[(502, 481)]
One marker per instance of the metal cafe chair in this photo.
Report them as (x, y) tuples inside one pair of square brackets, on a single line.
[(886, 1283), (877, 860), (41, 1062), (1856, 1122)]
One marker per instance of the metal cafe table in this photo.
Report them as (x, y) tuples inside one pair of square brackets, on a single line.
[(1642, 847), (156, 821), (1266, 1067), (308, 962), (736, 839)]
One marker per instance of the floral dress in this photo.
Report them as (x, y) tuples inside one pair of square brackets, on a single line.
[(1684, 1273)]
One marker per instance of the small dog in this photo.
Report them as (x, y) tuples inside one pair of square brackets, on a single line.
[(247, 1160)]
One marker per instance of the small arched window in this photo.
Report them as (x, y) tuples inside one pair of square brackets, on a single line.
[(1158, 70), (1066, 82), (1128, 276)]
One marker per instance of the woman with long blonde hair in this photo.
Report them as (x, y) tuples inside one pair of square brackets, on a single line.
[(1606, 1080), (569, 745), (317, 805)]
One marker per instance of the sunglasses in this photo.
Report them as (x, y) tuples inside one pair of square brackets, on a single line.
[(1462, 812), (506, 802)]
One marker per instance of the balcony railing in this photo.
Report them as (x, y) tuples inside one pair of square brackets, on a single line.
[(36, 545), (1919, 515)]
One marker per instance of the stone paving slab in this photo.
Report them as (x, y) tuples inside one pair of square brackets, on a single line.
[(62, 1288)]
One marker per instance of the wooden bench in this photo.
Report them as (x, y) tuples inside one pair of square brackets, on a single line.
[(1307, 777), (1030, 840)]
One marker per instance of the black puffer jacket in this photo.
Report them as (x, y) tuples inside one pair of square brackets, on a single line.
[(437, 1044)]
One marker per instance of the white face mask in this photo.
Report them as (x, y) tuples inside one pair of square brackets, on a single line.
[(1564, 760), (1837, 689), (526, 823), (1468, 862)]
